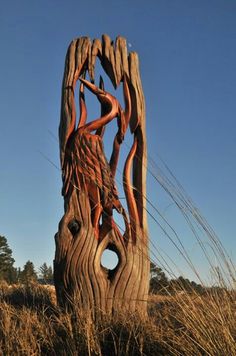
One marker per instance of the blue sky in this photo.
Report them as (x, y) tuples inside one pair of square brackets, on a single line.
[(187, 52)]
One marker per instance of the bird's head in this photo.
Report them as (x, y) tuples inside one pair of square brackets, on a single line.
[(103, 96)]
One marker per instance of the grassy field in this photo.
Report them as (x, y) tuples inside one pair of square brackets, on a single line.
[(183, 324)]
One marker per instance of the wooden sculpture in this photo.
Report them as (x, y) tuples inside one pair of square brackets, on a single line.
[(89, 184)]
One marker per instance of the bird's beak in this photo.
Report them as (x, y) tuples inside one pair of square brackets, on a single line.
[(92, 87)]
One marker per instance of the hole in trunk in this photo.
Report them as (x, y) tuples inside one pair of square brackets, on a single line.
[(74, 227), (109, 259)]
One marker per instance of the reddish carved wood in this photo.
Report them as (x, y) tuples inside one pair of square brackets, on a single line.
[(89, 184)]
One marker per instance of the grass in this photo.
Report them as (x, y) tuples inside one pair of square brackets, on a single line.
[(182, 324)]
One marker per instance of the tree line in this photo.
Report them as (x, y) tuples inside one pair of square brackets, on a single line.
[(159, 282), (12, 275)]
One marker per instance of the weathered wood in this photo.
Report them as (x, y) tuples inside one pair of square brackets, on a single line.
[(96, 51), (121, 56), (89, 188)]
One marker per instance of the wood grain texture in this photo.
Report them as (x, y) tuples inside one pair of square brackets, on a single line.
[(87, 227)]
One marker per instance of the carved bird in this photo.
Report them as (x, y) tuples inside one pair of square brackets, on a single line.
[(85, 165)]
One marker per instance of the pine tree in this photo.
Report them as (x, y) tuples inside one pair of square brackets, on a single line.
[(28, 273), (7, 271), (46, 273), (158, 282)]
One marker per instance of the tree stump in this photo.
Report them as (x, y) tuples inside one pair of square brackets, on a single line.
[(89, 184)]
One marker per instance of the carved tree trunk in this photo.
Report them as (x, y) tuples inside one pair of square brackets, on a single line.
[(90, 195)]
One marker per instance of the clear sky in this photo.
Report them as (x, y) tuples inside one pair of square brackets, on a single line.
[(187, 53)]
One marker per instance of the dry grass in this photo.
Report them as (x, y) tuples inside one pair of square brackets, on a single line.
[(200, 325), (183, 324)]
